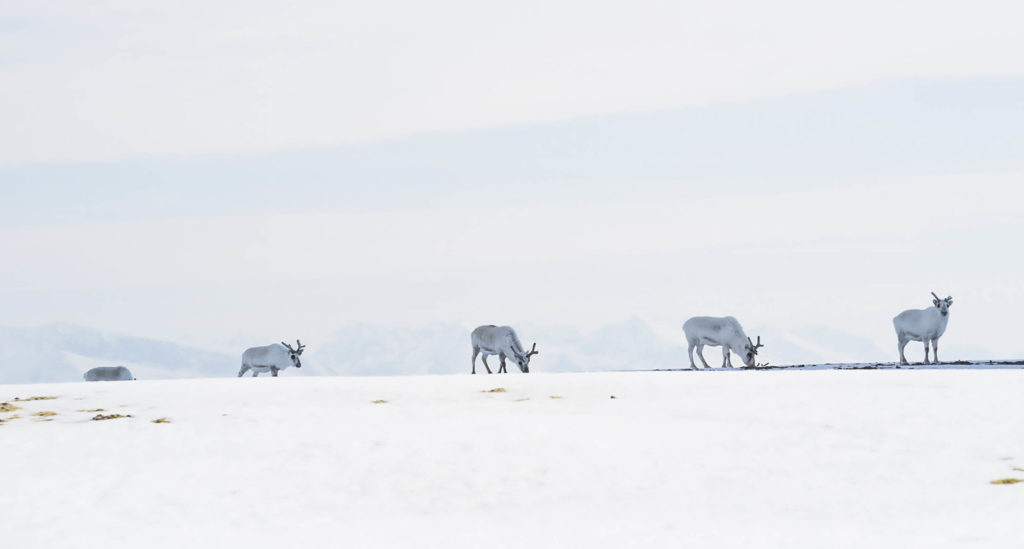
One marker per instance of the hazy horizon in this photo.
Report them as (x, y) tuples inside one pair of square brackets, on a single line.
[(287, 172)]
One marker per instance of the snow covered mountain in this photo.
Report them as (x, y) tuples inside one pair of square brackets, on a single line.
[(62, 352), (445, 349)]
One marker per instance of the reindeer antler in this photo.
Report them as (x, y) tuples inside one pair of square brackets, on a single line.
[(287, 346), (533, 351), (299, 347), (936, 297), (755, 346)]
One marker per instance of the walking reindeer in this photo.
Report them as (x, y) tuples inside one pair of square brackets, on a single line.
[(923, 325), (724, 332), (501, 341), (271, 358)]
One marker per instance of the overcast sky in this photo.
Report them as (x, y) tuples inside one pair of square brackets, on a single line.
[(210, 172), (118, 78)]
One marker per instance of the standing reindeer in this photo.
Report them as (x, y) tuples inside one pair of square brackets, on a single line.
[(923, 325), (271, 358), (724, 332), (501, 341)]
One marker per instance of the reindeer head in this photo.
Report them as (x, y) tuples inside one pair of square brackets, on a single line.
[(751, 351), (295, 353), (942, 304), (523, 360)]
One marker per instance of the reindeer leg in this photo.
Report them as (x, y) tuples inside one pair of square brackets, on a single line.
[(245, 368), (935, 350), (476, 351), (273, 371), (484, 358), (926, 352), (689, 351), (903, 345), (255, 373), (726, 363), (501, 368), (700, 353)]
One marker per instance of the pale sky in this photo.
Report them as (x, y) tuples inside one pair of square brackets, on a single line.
[(118, 79), (210, 172)]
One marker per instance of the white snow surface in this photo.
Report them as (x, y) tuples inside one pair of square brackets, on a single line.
[(777, 458)]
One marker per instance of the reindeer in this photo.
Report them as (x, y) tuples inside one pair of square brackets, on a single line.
[(724, 332), (923, 325), (271, 358), (108, 373), (501, 341)]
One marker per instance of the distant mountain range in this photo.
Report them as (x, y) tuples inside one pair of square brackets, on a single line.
[(445, 349), (62, 352)]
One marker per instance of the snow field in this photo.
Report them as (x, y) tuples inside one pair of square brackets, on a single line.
[(826, 458)]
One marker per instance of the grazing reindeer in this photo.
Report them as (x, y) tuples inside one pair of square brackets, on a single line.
[(725, 332), (271, 358), (108, 373), (501, 341), (923, 325)]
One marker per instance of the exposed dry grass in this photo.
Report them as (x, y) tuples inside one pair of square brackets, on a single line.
[(45, 413), (100, 417), (8, 407), (19, 399), (6, 419), (1008, 481), (93, 411), (379, 402), (495, 390), (161, 420)]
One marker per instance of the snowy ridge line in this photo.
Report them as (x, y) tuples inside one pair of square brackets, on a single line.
[(955, 365)]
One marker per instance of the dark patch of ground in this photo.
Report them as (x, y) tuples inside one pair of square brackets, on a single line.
[(100, 417), (958, 364)]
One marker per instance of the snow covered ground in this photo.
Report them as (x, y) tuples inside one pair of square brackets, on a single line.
[(793, 458)]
